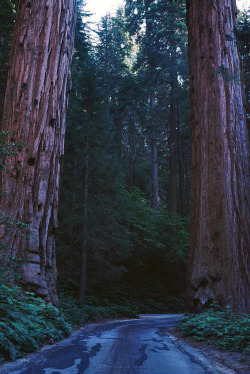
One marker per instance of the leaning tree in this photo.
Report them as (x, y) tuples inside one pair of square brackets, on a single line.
[(219, 260), (34, 112)]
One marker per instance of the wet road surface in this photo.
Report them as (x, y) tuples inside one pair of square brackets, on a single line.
[(140, 346)]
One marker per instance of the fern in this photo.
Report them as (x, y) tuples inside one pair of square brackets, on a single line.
[(26, 322)]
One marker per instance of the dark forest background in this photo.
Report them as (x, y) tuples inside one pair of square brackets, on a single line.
[(124, 206), (125, 188)]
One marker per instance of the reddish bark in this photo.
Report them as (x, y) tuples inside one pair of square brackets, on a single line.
[(219, 260), (35, 107)]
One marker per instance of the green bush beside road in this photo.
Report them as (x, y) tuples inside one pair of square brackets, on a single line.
[(224, 328)]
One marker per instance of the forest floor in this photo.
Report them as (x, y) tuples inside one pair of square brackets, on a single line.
[(236, 361)]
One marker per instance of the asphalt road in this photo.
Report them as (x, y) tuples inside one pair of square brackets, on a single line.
[(140, 346)]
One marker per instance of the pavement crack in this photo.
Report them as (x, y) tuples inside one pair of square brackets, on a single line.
[(143, 356)]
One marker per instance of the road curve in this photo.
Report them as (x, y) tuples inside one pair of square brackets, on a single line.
[(141, 346)]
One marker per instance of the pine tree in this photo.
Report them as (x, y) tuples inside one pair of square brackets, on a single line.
[(244, 37), (92, 146), (108, 233), (162, 68)]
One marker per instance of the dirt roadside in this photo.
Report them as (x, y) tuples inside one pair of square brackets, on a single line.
[(238, 362)]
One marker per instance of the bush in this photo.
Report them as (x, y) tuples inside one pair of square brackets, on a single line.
[(221, 327), (97, 309), (77, 314), (26, 322)]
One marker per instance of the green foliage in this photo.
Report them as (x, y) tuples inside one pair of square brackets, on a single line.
[(221, 327), (10, 269), (133, 251), (160, 245), (26, 322), (107, 233), (243, 35), (161, 68), (168, 304), (7, 148), (77, 314), (113, 305), (7, 17)]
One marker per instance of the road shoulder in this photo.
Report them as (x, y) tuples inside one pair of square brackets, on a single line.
[(236, 362)]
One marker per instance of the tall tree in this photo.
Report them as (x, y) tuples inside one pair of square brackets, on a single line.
[(244, 39), (100, 236), (219, 259), (7, 17), (110, 242), (161, 69), (34, 111)]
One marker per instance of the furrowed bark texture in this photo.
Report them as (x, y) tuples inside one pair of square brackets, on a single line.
[(219, 260), (35, 107)]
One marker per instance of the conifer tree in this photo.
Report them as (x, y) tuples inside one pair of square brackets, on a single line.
[(97, 235), (34, 112), (7, 17), (162, 68)]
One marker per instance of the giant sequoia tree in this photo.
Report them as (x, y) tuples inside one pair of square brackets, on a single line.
[(34, 111), (220, 238)]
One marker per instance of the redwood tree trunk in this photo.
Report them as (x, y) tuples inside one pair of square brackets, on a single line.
[(35, 106), (219, 260)]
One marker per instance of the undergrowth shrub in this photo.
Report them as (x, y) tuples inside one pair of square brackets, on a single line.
[(78, 314), (170, 304), (221, 327), (26, 322)]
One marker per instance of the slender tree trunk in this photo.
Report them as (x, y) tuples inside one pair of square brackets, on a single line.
[(84, 259), (74, 205), (173, 142), (150, 50), (219, 260), (181, 168), (133, 149), (155, 200), (35, 106)]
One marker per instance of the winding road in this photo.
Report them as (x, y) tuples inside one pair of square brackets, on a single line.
[(141, 346)]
